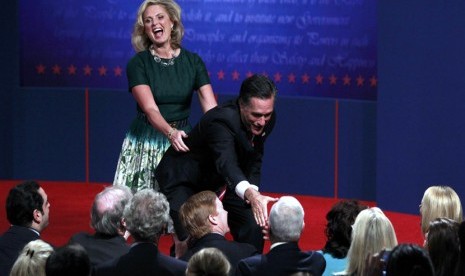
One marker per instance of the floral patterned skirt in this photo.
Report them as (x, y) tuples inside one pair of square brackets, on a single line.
[(142, 150)]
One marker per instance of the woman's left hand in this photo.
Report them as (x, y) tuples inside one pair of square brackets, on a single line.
[(177, 142)]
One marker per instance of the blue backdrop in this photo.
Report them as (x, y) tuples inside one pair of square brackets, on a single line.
[(321, 146), (322, 48)]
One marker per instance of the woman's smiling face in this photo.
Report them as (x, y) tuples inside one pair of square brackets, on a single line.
[(157, 24)]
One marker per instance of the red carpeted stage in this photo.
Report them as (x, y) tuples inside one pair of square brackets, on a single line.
[(71, 201)]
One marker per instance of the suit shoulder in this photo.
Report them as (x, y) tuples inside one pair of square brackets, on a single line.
[(253, 260), (249, 265), (173, 265), (171, 261), (225, 110), (246, 247), (315, 255), (227, 115), (79, 237), (105, 268), (316, 260)]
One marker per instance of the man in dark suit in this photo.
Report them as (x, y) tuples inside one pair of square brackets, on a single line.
[(206, 221), (225, 148), (27, 210), (286, 223), (108, 241), (146, 216)]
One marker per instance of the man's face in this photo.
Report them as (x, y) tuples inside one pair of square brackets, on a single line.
[(257, 114), (222, 217), (45, 208)]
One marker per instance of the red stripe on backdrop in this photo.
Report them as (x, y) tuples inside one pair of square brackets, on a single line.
[(86, 108), (70, 204)]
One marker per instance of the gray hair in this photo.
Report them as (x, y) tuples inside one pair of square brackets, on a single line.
[(147, 215), (31, 260), (107, 210), (286, 220)]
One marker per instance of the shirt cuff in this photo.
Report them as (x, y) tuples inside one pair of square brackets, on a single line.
[(242, 186)]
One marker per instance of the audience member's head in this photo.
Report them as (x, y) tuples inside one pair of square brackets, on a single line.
[(31, 260), (147, 215), (442, 242), (338, 229), (27, 205), (203, 213), (69, 260), (107, 210), (372, 232), (208, 262), (409, 260), (439, 202), (461, 268), (286, 220)]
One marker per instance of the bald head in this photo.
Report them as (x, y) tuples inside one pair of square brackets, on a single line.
[(107, 210)]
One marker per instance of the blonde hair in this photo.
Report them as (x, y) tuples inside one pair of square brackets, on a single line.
[(439, 202), (208, 262), (31, 260), (372, 232), (140, 40), (195, 211)]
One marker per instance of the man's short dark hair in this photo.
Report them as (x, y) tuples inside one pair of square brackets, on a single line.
[(69, 260), (21, 202), (257, 86)]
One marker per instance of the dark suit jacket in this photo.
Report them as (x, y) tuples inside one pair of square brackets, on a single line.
[(101, 247), (11, 244), (142, 259), (283, 259), (220, 153), (234, 251)]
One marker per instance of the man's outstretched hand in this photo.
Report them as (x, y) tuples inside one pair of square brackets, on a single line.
[(259, 205)]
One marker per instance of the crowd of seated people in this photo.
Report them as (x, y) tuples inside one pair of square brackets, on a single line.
[(361, 241), (442, 253)]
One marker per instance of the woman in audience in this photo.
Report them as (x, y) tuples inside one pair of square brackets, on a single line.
[(372, 232), (31, 260), (439, 202), (442, 242), (461, 268), (338, 232), (208, 261), (409, 260)]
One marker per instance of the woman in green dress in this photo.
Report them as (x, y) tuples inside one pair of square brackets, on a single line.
[(162, 77)]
